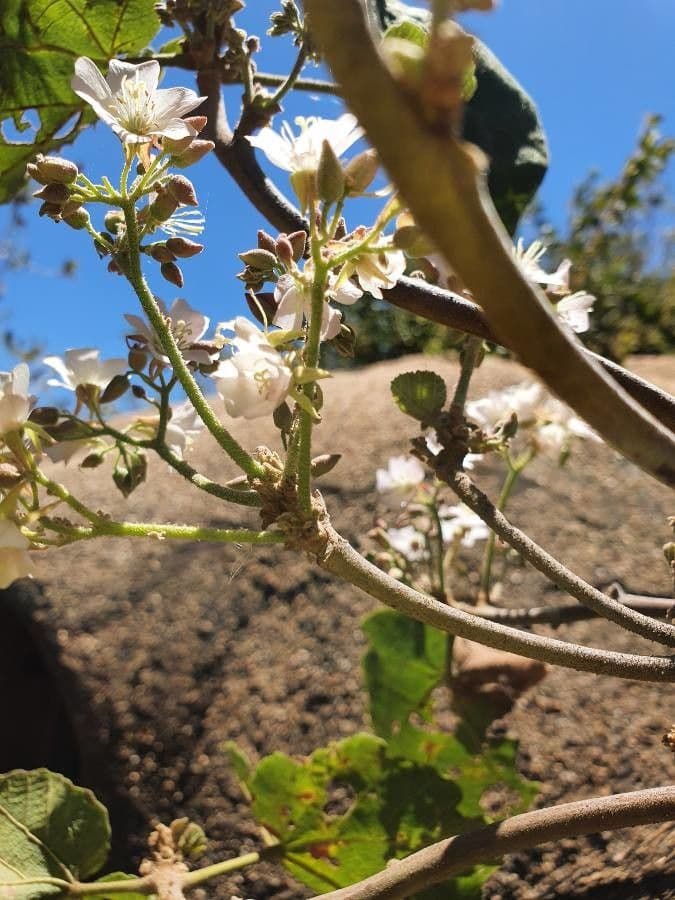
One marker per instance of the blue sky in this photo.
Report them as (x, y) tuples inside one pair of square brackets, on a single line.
[(596, 68)]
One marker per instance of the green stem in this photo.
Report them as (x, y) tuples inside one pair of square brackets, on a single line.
[(161, 531), (509, 484), (168, 342), (222, 868), (312, 350), (243, 498), (469, 356), (269, 79), (289, 83), (439, 550), (128, 886), (62, 492)]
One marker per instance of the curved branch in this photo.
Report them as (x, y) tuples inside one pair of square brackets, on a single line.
[(565, 613), (406, 877), (439, 180), (343, 560), (607, 607), (445, 308)]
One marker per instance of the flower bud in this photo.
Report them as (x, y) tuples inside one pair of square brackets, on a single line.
[(160, 252), (114, 267), (115, 389), (138, 391), (196, 151), (44, 415), (137, 359), (284, 250), (330, 176), (183, 248), (266, 242), (361, 171), (92, 461), (261, 260), (172, 273), (304, 185), (113, 220), (669, 552), (322, 465), (196, 122), (182, 190), (53, 193), (176, 146), (54, 169), (298, 241), (78, 219), (52, 210), (10, 476), (163, 206)]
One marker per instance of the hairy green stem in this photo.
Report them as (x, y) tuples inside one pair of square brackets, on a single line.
[(199, 876), (180, 367), (161, 531)]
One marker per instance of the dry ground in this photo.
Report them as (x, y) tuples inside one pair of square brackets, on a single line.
[(162, 652)]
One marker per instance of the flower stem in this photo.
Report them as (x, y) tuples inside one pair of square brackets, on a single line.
[(289, 83), (163, 531), (168, 342), (311, 361), (198, 876), (469, 356)]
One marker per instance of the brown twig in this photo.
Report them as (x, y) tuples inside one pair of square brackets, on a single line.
[(406, 877), (566, 613), (343, 560), (448, 197)]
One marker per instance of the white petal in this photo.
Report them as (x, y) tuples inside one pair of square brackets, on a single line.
[(88, 82), (172, 103), (276, 148)]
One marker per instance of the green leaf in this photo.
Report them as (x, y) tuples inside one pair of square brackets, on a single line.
[(407, 30), (419, 394), (117, 876), (48, 829), (288, 797), (501, 118), (239, 762), (404, 663), (39, 42)]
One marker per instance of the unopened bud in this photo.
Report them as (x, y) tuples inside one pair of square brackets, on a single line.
[(137, 359), (304, 185), (261, 260), (53, 210), (510, 427), (330, 177), (113, 220), (115, 389), (322, 465), (10, 476), (78, 219), (92, 461), (361, 171), (183, 248), (284, 250), (283, 418), (345, 341), (114, 267), (160, 252), (196, 151), (266, 242), (182, 190), (55, 169), (44, 415), (163, 206), (669, 552), (138, 391), (177, 146), (172, 273), (53, 193), (196, 122), (298, 241)]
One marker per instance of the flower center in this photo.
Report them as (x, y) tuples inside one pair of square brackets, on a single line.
[(135, 107)]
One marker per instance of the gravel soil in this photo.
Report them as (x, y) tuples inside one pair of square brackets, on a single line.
[(151, 655)]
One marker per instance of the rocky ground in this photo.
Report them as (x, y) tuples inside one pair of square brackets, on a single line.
[(152, 655)]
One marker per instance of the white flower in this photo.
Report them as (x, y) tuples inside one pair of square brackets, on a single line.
[(83, 367), (14, 558), (434, 446), (558, 426), (557, 282), (15, 401), (574, 310), (461, 521), (255, 379), (378, 271), (187, 325), (295, 303), (402, 475), (67, 451), (183, 426), (128, 100), (498, 406), (408, 542), (302, 152)]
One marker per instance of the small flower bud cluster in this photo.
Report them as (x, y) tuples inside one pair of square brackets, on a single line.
[(271, 257), (188, 150), (57, 177)]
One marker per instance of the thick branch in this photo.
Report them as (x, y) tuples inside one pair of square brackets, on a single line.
[(406, 877), (555, 571), (439, 180), (341, 559)]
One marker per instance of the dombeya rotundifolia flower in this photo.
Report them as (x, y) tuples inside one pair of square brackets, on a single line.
[(129, 100)]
